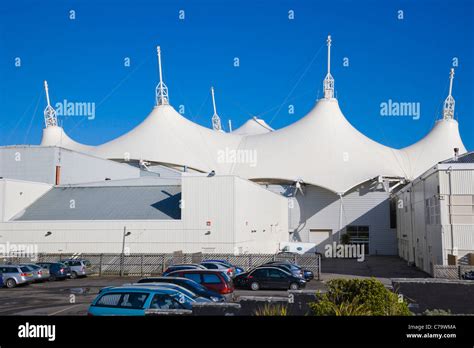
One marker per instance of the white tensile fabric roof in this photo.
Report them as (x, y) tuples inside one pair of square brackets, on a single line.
[(321, 149), (253, 126), (437, 146), (55, 136)]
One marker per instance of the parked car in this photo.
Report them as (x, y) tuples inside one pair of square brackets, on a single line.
[(182, 266), (57, 270), (189, 284), (14, 275), (229, 270), (213, 280), (307, 274), (238, 270), (134, 300), (468, 275), (2, 284), (286, 267), (176, 287), (269, 277), (40, 274), (79, 267)]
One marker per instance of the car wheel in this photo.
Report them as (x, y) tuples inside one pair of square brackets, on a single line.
[(294, 286), (254, 286), (52, 278), (73, 275), (10, 283)]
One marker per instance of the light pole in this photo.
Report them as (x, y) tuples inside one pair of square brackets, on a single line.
[(125, 234)]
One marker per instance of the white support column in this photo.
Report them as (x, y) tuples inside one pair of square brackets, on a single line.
[(216, 120), (328, 83), (161, 92), (50, 117), (449, 103), (341, 207)]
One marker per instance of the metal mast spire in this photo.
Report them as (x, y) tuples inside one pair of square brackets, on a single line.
[(161, 92), (216, 120), (50, 117), (328, 83), (448, 108)]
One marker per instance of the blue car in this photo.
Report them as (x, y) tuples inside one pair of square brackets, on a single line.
[(238, 270), (134, 300), (1, 282)]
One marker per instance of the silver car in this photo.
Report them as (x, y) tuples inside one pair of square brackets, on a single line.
[(14, 275), (79, 267), (40, 274), (230, 271)]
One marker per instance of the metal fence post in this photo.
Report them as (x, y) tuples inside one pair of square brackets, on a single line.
[(100, 265), (121, 265), (163, 263), (318, 258), (141, 265)]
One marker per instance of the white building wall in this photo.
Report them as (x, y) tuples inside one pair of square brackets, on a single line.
[(16, 195), (319, 209), (97, 236), (233, 208), (38, 163), (210, 209), (261, 218), (207, 210), (426, 242)]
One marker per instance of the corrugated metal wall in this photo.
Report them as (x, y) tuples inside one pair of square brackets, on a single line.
[(38, 164), (427, 242), (208, 211), (261, 218)]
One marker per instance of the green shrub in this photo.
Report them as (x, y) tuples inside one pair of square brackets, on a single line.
[(272, 310), (358, 297)]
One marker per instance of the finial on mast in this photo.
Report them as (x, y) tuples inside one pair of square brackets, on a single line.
[(161, 92), (216, 120), (449, 103), (50, 117), (328, 83)]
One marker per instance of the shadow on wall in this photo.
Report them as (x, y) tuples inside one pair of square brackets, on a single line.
[(169, 205)]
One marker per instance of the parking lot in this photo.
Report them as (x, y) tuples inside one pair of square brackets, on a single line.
[(73, 296)]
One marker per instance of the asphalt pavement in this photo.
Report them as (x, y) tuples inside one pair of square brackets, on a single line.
[(73, 296)]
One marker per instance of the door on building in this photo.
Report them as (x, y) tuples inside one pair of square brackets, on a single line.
[(359, 235), (320, 238)]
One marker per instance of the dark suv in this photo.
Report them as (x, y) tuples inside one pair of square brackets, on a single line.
[(57, 270), (268, 277)]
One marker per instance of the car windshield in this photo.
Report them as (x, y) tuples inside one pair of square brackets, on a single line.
[(25, 269)]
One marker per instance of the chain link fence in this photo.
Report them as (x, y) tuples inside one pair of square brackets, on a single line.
[(452, 272), (156, 264)]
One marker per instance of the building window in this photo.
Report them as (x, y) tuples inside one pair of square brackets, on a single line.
[(393, 213), (359, 235), (432, 211)]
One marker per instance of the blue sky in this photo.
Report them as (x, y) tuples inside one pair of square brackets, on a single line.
[(404, 60)]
